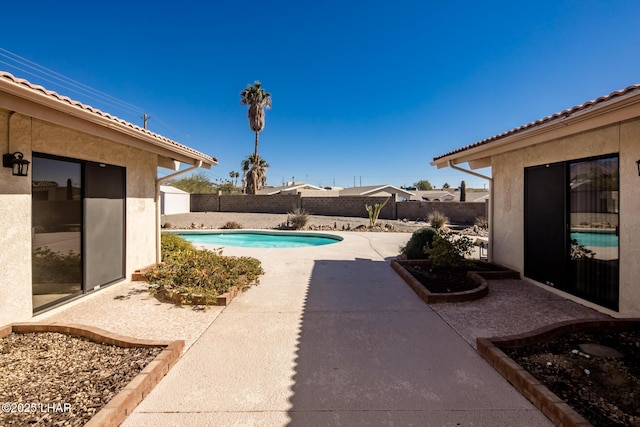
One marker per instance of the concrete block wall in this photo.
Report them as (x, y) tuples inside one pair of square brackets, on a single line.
[(457, 212), (205, 203), (348, 206), (277, 203)]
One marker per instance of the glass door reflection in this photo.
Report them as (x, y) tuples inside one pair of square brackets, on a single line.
[(56, 230)]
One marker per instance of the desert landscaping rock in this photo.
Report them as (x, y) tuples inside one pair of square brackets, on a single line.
[(58, 379)]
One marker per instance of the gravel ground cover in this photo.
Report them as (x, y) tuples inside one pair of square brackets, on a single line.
[(271, 221), (56, 379), (597, 373)]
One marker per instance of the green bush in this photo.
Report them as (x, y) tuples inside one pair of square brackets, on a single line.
[(172, 243), (448, 251), (204, 274), (415, 247), (437, 219), (297, 219)]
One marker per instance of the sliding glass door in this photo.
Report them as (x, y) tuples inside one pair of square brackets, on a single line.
[(571, 227), (593, 201), (78, 239)]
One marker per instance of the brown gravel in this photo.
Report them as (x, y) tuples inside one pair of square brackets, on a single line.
[(271, 221), (55, 379), (603, 386)]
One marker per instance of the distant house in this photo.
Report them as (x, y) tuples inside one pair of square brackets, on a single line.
[(292, 188), (377, 191), (564, 200), (86, 213), (449, 196), (174, 201)]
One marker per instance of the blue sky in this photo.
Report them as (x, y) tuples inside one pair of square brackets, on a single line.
[(363, 92)]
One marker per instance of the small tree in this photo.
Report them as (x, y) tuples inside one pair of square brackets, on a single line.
[(445, 186), (463, 191), (374, 211), (423, 185), (198, 183)]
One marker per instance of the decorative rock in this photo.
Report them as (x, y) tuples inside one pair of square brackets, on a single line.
[(600, 350)]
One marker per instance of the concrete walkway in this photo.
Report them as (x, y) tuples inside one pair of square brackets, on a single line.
[(332, 336)]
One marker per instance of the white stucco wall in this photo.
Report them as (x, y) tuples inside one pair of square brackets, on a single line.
[(31, 135), (508, 176)]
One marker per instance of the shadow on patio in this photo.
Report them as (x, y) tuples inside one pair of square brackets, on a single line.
[(371, 352)]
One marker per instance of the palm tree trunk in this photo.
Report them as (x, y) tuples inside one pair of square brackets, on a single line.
[(254, 169)]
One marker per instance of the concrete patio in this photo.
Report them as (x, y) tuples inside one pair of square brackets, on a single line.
[(331, 336)]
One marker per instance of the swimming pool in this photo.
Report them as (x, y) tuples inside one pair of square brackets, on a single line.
[(595, 239), (260, 239)]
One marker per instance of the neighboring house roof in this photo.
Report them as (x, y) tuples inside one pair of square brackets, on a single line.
[(288, 189), (23, 97), (447, 196), (374, 190), (171, 190), (602, 111), (42, 184)]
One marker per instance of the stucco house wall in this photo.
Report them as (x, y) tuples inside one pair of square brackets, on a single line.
[(508, 181), (29, 135), (36, 120)]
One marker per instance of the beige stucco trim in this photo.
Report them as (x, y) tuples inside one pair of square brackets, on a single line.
[(620, 110)]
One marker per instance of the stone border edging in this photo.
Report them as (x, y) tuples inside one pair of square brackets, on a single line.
[(221, 300), (558, 411), (430, 298), (123, 403)]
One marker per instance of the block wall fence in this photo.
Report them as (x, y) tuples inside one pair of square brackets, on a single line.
[(353, 206)]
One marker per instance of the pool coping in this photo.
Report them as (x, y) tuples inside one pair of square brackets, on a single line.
[(116, 410)]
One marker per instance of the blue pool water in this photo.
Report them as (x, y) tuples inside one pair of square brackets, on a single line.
[(596, 239), (261, 239)]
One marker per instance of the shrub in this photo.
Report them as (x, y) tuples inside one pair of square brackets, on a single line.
[(172, 243), (204, 274), (231, 225), (481, 222), (297, 219), (437, 219), (415, 247), (449, 250)]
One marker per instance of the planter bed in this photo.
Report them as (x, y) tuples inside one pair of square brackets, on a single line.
[(495, 350), (494, 272), (177, 298), (114, 412)]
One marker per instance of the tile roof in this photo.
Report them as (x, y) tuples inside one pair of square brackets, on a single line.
[(557, 116), (168, 143), (372, 189)]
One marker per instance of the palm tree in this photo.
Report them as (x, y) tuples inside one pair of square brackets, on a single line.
[(254, 174), (234, 176), (257, 100)]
